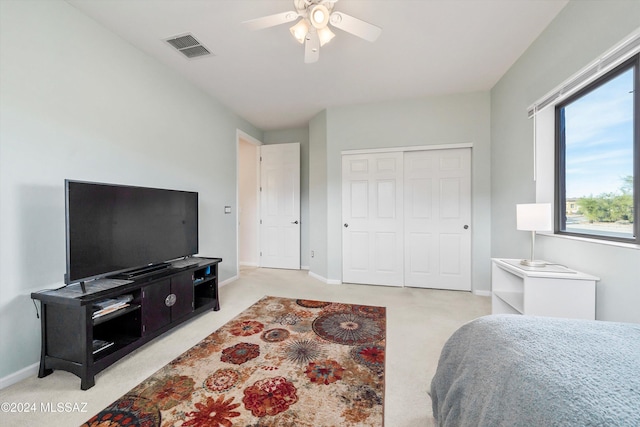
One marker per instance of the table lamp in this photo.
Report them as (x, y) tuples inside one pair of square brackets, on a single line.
[(533, 217)]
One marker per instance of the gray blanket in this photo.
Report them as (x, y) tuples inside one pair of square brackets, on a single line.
[(508, 370)]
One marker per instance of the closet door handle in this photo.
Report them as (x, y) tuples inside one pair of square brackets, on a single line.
[(170, 300), (466, 226), (346, 225), (295, 222)]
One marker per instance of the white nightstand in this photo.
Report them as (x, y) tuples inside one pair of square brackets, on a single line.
[(549, 291)]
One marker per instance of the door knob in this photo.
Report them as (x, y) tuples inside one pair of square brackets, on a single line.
[(466, 226), (346, 225), (295, 222)]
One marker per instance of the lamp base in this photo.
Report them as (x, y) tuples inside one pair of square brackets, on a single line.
[(533, 263)]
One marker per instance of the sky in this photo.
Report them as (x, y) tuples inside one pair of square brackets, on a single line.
[(599, 138)]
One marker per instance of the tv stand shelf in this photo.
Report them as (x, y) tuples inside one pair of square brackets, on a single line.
[(160, 301), (114, 314)]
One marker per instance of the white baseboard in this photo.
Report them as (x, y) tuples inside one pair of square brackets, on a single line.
[(22, 374), (324, 279), (482, 293), (317, 277), (229, 280), (248, 264)]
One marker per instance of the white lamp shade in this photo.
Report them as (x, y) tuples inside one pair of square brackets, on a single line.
[(325, 35), (534, 217), (299, 31)]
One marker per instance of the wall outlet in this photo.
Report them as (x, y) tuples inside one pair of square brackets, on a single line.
[(313, 253)]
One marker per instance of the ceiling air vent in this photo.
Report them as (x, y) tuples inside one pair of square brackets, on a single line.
[(188, 46)]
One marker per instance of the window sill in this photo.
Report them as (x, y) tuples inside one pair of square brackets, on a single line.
[(588, 240)]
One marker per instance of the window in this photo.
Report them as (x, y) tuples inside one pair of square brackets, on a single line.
[(598, 157)]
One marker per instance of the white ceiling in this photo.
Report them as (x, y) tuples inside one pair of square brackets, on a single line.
[(427, 47)]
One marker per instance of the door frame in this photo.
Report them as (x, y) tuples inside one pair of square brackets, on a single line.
[(240, 135), (404, 149), (408, 148)]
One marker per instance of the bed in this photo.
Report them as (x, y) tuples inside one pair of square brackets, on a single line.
[(511, 370)]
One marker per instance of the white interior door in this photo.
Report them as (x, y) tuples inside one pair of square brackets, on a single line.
[(372, 218), (280, 206), (437, 215)]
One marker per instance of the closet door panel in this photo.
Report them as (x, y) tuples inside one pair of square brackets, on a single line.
[(372, 214), (438, 205)]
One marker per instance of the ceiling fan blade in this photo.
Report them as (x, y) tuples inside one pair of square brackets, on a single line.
[(271, 20), (311, 47), (355, 26)]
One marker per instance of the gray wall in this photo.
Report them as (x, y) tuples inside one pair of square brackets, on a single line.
[(448, 119), (300, 135), (78, 102), (318, 194), (581, 32)]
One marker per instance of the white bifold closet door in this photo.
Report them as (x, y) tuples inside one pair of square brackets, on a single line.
[(406, 218)]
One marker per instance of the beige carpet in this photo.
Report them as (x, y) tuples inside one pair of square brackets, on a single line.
[(418, 323)]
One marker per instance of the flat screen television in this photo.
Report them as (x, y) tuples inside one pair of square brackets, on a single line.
[(111, 229)]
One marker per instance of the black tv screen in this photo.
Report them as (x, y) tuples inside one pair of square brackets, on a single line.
[(115, 228)]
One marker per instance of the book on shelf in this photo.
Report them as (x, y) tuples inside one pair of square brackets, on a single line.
[(99, 345), (106, 306), (109, 309)]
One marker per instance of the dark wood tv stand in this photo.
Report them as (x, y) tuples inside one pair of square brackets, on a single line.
[(158, 302)]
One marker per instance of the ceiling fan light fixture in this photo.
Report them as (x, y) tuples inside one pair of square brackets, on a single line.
[(312, 29), (319, 16), (325, 35), (299, 31)]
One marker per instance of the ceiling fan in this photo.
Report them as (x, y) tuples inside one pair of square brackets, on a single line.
[(313, 29)]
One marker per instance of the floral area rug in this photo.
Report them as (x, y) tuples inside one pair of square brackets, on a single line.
[(282, 362)]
